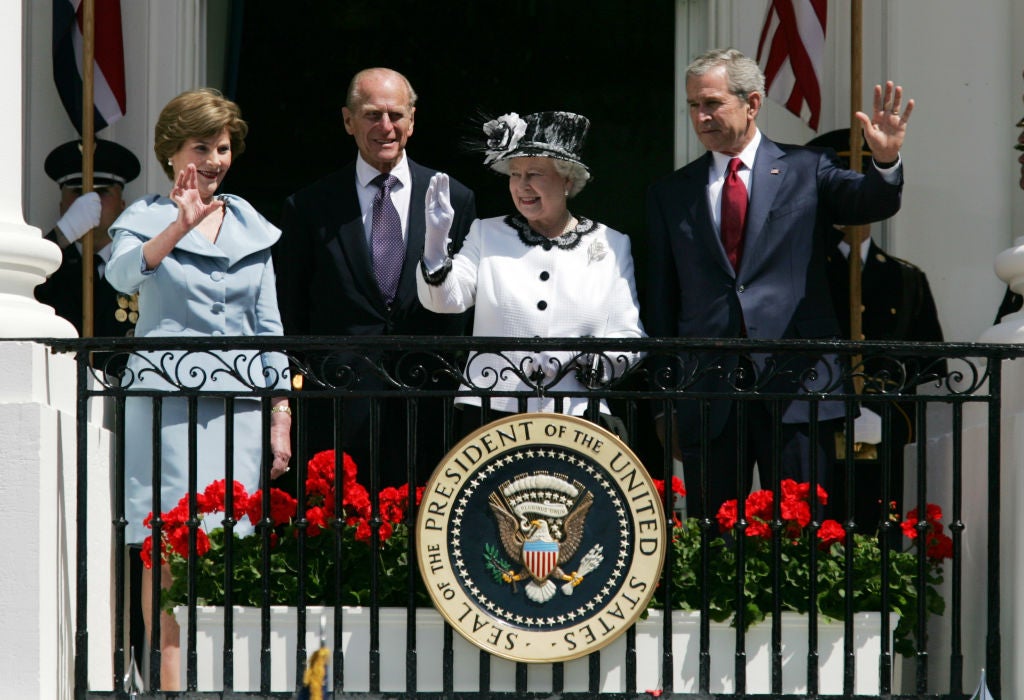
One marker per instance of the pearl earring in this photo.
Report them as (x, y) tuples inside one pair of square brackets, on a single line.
[(168, 161), (567, 193)]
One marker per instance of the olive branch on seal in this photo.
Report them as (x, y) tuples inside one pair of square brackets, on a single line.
[(495, 564)]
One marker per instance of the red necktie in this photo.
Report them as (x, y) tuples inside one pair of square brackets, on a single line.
[(734, 213)]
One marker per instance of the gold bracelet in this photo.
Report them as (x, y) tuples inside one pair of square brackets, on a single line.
[(282, 409)]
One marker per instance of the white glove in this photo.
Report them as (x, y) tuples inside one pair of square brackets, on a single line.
[(81, 216), (439, 215), (554, 362)]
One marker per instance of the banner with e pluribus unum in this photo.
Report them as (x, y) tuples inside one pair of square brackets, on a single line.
[(541, 537)]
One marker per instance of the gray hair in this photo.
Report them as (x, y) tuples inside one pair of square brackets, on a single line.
[(744, 75), (576, 173), (353, 97)]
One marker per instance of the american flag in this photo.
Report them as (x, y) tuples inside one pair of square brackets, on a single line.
[(108, 73), (790, 53)]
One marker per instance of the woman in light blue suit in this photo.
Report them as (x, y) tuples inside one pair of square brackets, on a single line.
[(200, 263)]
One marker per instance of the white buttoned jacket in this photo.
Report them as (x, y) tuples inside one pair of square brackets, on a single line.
[(526, 286)]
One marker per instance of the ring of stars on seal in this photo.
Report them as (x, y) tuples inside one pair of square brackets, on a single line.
[(573, 463)]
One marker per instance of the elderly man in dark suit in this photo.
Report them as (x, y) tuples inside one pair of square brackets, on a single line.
[(346, 266), (737, 249)]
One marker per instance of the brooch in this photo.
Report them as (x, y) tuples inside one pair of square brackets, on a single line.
[(596, 251)]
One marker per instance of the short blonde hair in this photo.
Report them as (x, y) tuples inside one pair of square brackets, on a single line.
[(197, 114)]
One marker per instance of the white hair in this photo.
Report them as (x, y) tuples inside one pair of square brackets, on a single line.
[(577, 174)]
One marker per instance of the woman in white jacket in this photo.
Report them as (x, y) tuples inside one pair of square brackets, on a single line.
[(541, 272)]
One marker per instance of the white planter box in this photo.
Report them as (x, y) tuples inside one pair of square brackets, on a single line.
[(430, 644)]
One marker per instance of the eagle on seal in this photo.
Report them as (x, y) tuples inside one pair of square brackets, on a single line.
[(541, 553)]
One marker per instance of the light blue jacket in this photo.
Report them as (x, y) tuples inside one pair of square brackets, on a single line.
[(200, 289)]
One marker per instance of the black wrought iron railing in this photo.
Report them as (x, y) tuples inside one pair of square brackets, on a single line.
[(393, 402)]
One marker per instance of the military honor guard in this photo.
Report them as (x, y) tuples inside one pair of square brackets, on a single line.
[(896, 304), (114, 166)]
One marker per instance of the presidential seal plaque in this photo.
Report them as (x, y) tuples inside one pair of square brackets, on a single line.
[(540, 537)]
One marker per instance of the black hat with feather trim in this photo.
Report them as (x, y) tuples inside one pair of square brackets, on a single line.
[(558, 135)]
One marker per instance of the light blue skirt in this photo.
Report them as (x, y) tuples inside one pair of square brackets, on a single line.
[(211, 429)]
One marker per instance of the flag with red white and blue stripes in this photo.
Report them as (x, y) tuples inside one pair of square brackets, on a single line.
[(790, 52), (108, 73)]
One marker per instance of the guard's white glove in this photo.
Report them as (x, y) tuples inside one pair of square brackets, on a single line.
[(867, 427), (439, 215), (81, 216)]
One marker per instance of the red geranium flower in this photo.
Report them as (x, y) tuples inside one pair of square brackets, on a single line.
[(726, 515), (357, 500), (318, 521), (677, 487), (363, 531), (282, 507), (830, 533), (213, 499), (939, 546), (147, 552), (759, 505), (177, 540)]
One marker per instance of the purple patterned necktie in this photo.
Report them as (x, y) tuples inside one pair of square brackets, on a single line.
[(388, 246)]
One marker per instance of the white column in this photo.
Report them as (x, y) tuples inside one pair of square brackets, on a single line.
[(25, 257), (32, 658)]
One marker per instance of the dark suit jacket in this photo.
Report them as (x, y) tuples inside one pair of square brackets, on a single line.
[(326, 286), (325, 282), (780, 292)]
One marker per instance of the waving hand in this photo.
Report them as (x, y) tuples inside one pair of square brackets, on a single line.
[(885, 129)]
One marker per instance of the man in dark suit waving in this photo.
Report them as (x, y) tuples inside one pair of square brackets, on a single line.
[(346, 266), (737, 249)]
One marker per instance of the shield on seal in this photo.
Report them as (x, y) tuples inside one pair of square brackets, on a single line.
[(540, 557)]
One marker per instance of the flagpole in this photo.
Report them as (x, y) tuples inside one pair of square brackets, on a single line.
[(856, 233), (88, 149)]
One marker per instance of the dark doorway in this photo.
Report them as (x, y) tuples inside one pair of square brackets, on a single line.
[(610, 60)]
